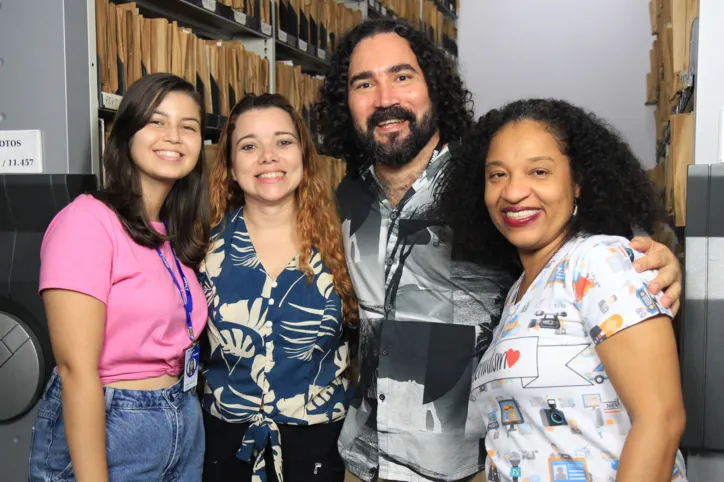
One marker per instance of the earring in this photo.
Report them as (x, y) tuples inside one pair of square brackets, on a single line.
[(575, 210)]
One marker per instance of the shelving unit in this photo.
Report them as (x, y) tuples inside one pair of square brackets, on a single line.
[(671, 85), (288, 42), (311, 59), (69, 88), (283, 32), (448, 8), (210, 18)]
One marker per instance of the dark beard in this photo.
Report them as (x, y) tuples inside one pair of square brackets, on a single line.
[(396, 152)]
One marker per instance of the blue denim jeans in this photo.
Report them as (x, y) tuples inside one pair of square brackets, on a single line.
[(151, 435)]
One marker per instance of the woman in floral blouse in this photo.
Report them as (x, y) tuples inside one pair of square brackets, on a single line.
[(279, 296)]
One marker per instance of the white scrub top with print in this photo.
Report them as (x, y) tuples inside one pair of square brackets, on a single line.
[(551, 411)]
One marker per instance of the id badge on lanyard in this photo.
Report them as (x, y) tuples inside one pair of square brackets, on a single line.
[(191, 354)]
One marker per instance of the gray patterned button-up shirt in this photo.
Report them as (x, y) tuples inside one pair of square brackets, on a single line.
[(425, 319)]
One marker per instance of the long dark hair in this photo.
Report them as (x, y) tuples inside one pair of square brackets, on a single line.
[(452, 102), (186, 208), (318, 222)]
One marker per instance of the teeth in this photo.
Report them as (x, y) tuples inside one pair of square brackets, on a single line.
[(168, 153), (270, 175), (521, 214), (391, 121)]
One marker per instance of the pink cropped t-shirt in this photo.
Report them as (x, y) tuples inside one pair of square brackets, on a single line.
[(86, 249)]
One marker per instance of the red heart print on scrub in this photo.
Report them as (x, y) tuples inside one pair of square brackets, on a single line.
[(511, 357)]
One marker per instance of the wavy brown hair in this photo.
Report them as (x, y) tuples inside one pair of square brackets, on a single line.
[(317, 217)]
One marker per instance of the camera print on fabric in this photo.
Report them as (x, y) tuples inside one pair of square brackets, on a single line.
[(550, 410)]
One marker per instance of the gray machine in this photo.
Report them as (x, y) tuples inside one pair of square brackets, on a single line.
[(48, 87), (702, 340)]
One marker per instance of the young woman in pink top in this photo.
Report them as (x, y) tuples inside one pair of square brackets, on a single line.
[(124, 306)]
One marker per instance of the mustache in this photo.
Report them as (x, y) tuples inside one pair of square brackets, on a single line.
[(389, 113)]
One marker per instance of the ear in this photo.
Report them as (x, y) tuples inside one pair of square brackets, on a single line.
[(577, 191)]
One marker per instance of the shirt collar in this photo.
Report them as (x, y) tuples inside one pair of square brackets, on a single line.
[(437, 160)]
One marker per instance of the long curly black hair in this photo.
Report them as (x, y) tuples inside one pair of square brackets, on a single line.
[(452, 102), (616, 194)]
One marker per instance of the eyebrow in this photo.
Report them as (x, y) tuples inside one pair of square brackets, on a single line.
[(368, 74), (277, 133), (530, 159), (195, 119)]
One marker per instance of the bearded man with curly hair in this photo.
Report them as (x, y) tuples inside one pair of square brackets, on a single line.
[(393, 107)]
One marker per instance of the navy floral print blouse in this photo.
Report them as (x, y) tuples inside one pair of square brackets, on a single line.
[(276, 351)]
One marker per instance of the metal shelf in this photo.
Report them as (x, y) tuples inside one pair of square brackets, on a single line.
[(310, 60), (209, 18), (445, 10), (375, 10), (108, 106)]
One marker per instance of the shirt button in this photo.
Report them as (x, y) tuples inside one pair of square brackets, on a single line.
[(382, 397), (384, 352), (271, 301), (393, 216), (388, 307), (275, 284), (389, 261), (269, 323)]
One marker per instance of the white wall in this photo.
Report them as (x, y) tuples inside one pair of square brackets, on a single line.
[(709, 91), (594, 53)]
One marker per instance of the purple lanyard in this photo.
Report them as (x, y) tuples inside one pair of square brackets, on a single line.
[(186, 299)]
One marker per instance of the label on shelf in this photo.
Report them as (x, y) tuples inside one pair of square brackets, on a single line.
[(209, 5), (266, 29), (684, 78), (283, 35), (302, 45), (111, 101), (321, 54), (21, 152), (239, 17)]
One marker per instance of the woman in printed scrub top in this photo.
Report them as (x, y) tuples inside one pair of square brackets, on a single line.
[(581, 381)]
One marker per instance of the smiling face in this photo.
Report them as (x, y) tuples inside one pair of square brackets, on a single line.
[(389, 99), (529, 189), (168, 147), (266, 155)]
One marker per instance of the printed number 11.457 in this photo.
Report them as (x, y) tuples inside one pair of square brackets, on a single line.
[(17, 162)]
